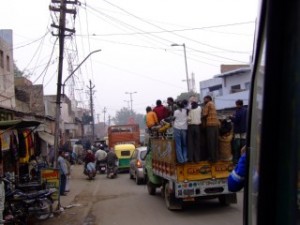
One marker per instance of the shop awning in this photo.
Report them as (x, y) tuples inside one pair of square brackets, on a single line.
[(17, 124), (48, 138)]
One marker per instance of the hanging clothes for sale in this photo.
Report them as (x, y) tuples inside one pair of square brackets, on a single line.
[(13, 147), (22, 144), (1, 156), (30, 140)]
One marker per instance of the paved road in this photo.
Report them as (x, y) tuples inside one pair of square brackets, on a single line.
[(121, 202)]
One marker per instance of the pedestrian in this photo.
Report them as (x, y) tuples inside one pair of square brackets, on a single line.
[(211, 124), (161, 111), (193, 137), (51, 155), (151, 118), (67, 189), (239, 120), (63, 170), (180, 133)]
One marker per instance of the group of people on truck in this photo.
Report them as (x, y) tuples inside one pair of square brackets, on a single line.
[(197, 131)]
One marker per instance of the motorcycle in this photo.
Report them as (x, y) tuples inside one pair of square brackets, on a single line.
[(101, 166), (21, 206), (112, 170), (90, 170)]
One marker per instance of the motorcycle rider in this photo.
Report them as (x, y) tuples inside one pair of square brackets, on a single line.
[(89, 161), (112, 161), (100, 156)]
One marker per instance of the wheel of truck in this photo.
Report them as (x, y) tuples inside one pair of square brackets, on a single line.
[(151, 188), (226, 200), (171, 202)]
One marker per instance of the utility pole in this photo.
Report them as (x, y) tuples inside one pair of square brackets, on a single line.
[(61, 35), (62, 9), (131, 100), (104, 112), (108, 120), (98, 117), (92, 110)]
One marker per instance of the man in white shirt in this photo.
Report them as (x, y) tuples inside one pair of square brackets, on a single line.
[(100, 156), (194, 122), (180, 133)]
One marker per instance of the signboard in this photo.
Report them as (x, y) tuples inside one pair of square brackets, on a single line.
[(51, 176)]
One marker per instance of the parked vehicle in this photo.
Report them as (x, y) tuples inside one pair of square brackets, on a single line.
[(124, 152), (188, 182), (137, 162), (21, 206)]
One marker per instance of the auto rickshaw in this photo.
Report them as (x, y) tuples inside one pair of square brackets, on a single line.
[(124, 152)]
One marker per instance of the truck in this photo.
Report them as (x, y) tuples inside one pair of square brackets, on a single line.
[(123, 134), (188, 182)]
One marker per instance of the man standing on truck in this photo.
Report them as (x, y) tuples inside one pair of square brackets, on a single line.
[(194, 121), (211, 124), (180, 133), (239, 120)]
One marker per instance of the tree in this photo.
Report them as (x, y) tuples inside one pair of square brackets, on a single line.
[(187, 95), (124, 116), (18, 72)]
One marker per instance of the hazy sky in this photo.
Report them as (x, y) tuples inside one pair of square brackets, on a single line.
[(135, 37)]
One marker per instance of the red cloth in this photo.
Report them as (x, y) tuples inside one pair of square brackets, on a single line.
[(161, 112)]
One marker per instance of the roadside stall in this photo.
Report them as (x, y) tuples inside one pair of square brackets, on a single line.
[(17, 145)]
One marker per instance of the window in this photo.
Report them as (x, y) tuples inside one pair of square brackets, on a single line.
[(215, 88), (235, 88), (1, 59), (7, 63)]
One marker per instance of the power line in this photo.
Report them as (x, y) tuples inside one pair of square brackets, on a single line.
[(169, 31), (145, 21)]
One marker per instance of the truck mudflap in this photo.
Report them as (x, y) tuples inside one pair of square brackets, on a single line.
[(209, 187)]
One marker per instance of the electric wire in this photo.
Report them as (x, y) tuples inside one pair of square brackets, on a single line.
[(159, 27)]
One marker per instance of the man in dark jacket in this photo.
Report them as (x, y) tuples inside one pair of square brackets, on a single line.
[(161, 111), (239, 120)]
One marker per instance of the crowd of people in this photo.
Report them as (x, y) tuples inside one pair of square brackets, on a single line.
[(79, 155), (198, 133)]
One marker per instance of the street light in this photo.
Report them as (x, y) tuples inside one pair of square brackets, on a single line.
[(72, 73), (58, 111), (128, 103), (186, 66), (131, 93)]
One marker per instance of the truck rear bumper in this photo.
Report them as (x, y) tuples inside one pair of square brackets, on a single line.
[(209, 187)]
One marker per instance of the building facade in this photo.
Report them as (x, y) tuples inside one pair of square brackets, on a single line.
[(229, 86), (7, 91)]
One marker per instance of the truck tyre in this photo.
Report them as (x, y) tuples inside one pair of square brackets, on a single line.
[(171, 202), (151, 188), (228, 199)]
